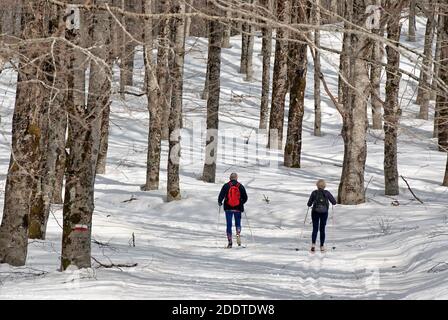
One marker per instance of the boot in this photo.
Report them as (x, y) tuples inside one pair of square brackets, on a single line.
[(238, 240)]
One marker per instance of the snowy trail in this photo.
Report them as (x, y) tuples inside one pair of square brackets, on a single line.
[(382, 251)]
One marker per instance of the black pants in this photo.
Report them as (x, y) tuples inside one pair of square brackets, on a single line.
[(319, 223)]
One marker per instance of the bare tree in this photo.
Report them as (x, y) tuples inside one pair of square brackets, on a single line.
[(178, 26), (85, 130), (24, 173), (392, 109), (424, 86), (412, 25), (375, 78), (163, 77), (442, 99), (279, 81), (351, 187), (214, 74), (317, 72), (266, 76), (298, 70), (158, 108)]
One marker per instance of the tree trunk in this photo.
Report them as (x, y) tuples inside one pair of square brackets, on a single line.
[(298, 71), (266, 76), (85, 130), (351, 187), (227, 31), (435, 86), (343, 76), (442, 95), (214, 89), (436, 61), (163, 78), (375, 79), (104, 141), (279, 81), (188, 9), (317, 72), (158, 109), (32, 97), (173, 186), (250, 49), (392, 109), (424, 86), (128, 49), (442, 98), (412, 25), (244, 46), (52, 122)]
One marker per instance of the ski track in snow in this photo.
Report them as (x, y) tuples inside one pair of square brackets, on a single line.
[(178, 245)]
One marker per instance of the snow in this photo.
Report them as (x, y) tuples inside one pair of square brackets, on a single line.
[(381, 251)]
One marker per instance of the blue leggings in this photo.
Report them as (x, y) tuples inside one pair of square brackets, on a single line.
[(229, 217), (319, 223)]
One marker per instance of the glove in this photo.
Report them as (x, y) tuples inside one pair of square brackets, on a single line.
[(220, 204)]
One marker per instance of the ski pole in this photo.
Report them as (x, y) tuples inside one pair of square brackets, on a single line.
[(304, 222), (332, 225), (250, 229), (217, 225)]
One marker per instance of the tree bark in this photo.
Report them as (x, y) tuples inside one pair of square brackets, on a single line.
[(163, 78), (250, 49), (214, 66), (442, 95), (343, 76), (85, 130), (227, 31), (375, 79), (24, 173), (442, 98), (424, 86), (266, 76), (173, 186), (412, 25), (351, 187), (298, 71), (435, 78), (189, 5), (392, 109), (317, 72), (279, 81)]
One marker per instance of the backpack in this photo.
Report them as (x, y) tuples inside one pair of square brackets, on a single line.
[(321, 202), (234, 195)]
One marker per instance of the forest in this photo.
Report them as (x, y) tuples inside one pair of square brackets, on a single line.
[(120, 120)]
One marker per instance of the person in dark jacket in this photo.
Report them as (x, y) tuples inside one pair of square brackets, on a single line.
[(319, 200), (234, 200)]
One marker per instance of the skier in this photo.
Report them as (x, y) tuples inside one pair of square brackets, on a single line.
[(319, 200), (234, 196)]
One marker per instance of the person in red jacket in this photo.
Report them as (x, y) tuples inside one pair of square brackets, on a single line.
[(234, 196)]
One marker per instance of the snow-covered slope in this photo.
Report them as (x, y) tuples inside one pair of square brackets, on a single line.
[(380, 250)]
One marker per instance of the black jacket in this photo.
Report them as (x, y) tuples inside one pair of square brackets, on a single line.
[(225, 191), (327, 195)]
